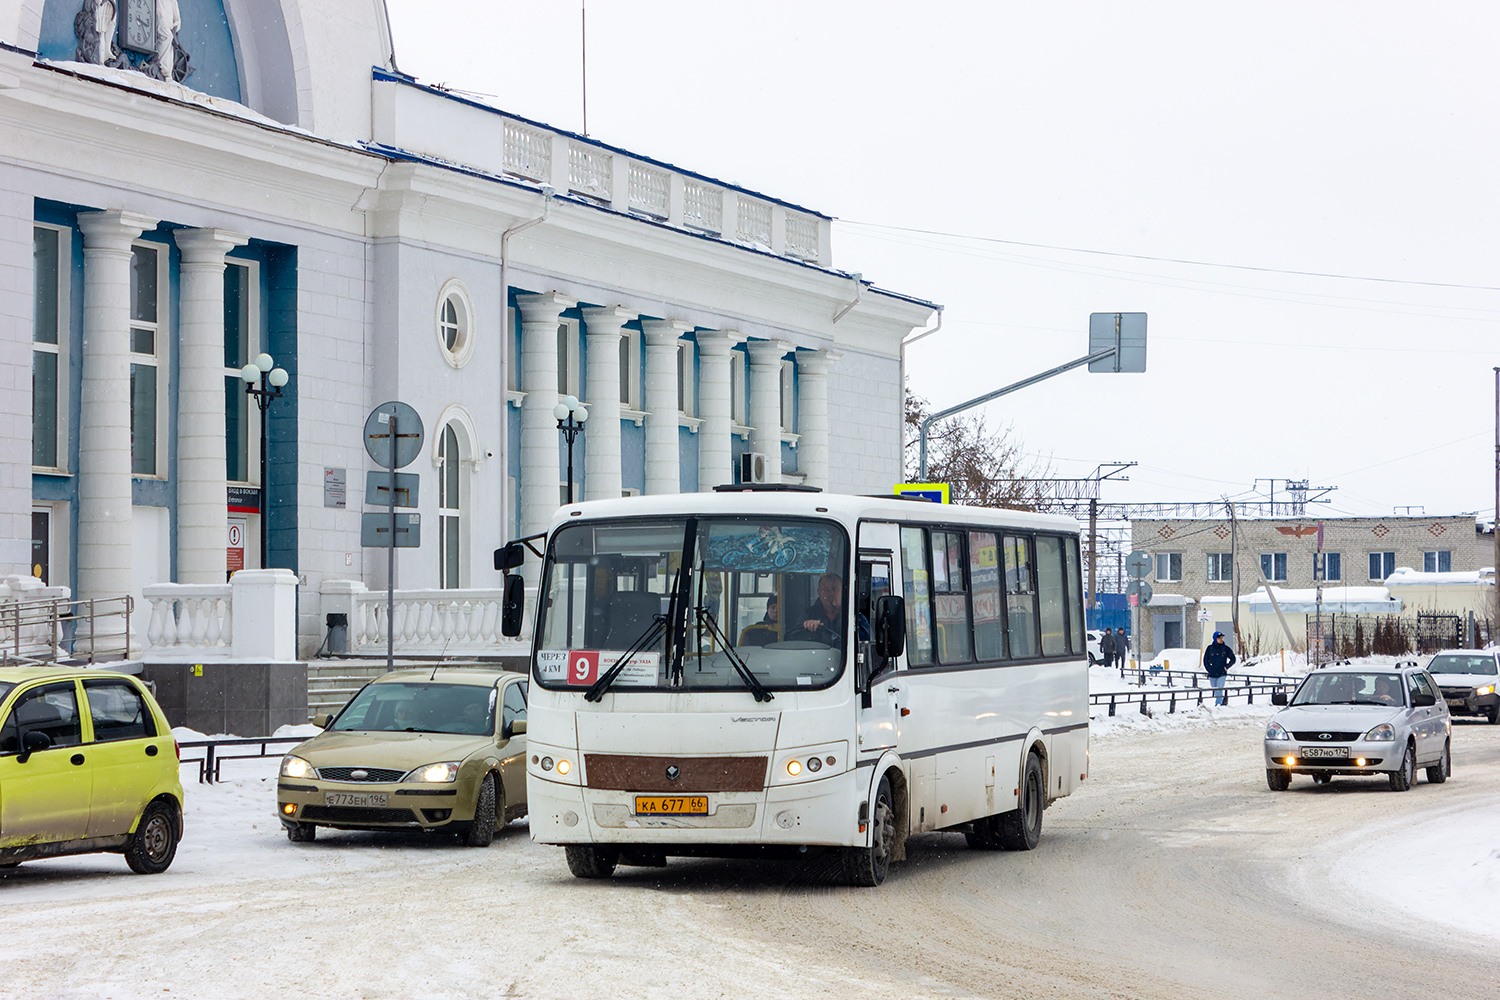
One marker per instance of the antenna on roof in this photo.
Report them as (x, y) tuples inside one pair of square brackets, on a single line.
[(583, 10)]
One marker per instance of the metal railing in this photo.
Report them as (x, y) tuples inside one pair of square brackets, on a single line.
[(214, 757), (1188, 697), (38, 631), (1196, 678)]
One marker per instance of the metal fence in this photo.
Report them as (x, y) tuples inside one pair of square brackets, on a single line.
[(45, 629), (1346, 636), (214, 753), (1192, 697)]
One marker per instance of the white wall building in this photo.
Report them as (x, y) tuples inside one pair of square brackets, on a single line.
[(185, 184)]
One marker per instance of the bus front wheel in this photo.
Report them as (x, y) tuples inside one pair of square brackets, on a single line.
[(591, 860), (868, 866)]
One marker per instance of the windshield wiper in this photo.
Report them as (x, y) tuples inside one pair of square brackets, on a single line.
[(706, 621), (653, 632)]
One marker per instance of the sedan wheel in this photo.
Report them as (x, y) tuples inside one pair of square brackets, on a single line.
[(1438, 773), (1403, 779), (154, 845), (1277, 779)]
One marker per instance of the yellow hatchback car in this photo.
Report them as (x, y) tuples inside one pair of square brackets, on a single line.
[(87, 764), (435, 750)]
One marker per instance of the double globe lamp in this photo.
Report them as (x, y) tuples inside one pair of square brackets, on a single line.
[(570, 414)]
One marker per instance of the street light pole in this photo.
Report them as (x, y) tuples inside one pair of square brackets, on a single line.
[(263, 370), (570, 414)]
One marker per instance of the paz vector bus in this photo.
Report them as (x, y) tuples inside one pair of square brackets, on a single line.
[(774, 671)]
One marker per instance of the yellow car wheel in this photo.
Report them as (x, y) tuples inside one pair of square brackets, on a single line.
[(154, 845)]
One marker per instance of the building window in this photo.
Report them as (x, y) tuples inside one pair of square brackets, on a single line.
[(630, 369), (737, 383), (788, 397), (685, 401), (1220, 567), (241, 345), (450, 512), (1382, 565), (455, 323), (512, 376), (1169, 566), (49, 253), (1273, 566), (1328, 566), (567, 358), (147, 356), (1437, 562)]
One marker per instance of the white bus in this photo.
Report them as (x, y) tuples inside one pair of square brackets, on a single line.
[(701, 687)]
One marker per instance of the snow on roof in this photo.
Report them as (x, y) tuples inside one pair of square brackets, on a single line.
[(1405, 576), (1351, 600)]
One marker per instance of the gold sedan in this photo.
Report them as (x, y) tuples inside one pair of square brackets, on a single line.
[(440, 750)]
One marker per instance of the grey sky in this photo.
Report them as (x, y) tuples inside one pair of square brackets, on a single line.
[(1343, 138)]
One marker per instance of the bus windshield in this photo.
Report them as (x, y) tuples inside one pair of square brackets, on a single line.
[(770, 593)]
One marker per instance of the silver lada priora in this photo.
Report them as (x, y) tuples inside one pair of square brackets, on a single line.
[(1359, 720)]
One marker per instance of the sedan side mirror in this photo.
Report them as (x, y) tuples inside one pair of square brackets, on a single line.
[(1423, 701), (322, 720), (890, 626), (516, 727), (1278, 697), (513, 605), (31, 743)]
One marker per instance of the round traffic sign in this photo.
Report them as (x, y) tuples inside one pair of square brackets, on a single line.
[(393, 435), (1138, 563)]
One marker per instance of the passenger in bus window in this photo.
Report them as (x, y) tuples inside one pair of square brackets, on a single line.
[(767, 629)]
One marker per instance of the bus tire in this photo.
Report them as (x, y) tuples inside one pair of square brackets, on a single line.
[(868, 866), (1021, 829), (592, 860)]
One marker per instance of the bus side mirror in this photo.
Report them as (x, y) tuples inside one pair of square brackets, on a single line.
[(890, 626), (513, 606), (1278, 697), (509, 556)]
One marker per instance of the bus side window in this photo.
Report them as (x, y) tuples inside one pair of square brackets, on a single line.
[(1075, 598), (1020, 597), (916, 591), (1051, 586), (984, 579), (950, 597)]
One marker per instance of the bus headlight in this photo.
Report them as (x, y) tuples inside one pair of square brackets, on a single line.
[(810, 763)]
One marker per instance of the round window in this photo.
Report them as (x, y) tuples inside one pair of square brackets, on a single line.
[(455, 323)]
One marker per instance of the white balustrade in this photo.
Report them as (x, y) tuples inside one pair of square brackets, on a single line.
[(527, 152), (189, 618), (427, 622), (754, 225), (801, 235), (703, 207), (649, 190), (590, 172)]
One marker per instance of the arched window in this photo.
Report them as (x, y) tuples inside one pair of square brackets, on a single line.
[(450, 512)]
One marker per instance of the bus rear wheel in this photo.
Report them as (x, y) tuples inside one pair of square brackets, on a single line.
[(1021, 829), (591, 860), (868, 866)]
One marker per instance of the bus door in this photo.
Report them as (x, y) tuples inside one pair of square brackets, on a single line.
[(880, 712)]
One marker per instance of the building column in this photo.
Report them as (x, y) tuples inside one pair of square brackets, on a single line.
[(601, 459), (202, 465), (663, 457), (812, 415), (765, 402), (104, 478), (715, 457), (541, 467)]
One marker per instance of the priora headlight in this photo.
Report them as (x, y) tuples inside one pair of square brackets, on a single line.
[(296, 767), (1382, 733), (446, 771), (1482, 691), (1275, 732)]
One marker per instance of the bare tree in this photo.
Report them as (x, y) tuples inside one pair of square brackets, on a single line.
[(984, 468)]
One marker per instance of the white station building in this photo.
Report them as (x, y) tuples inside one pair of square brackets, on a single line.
[(186, 185)]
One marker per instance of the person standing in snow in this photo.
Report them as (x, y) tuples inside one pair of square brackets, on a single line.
[(1122, 647), (1217, 659), (1107, 647)]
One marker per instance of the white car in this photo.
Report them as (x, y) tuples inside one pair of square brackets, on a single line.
[(1467, 679), (1352, 720), (1095, 654)]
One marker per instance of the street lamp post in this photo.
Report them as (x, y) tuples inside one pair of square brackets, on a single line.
[(570, 414), (263, 369)]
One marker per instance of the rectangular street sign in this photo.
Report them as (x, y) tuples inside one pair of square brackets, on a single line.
[(1126, 332), (375, 531), (378, 488)]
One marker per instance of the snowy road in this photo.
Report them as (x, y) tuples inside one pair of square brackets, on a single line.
[(1172, 873)]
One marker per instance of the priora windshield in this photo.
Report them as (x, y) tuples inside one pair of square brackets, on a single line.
[(396, 707), (772, 592), (1345, 688), (1457, 663)]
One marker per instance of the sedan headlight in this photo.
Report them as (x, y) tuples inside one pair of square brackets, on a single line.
[(1275, 732), (296, 767), (1383, 733), (446, 771), (1480, 692)]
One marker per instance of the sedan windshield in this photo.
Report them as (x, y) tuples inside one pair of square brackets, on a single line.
[(1458, 663), (417, 707), (1343, 688), (758, 605)]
